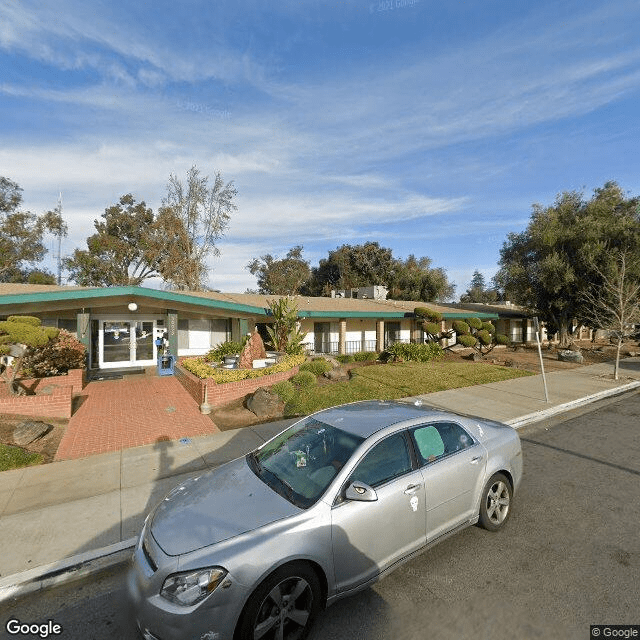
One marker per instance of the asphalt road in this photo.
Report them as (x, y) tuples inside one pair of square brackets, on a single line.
[(568, 558)]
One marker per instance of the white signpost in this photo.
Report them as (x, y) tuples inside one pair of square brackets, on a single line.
[(536, 327)]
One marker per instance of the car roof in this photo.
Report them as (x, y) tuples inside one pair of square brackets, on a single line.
[(369, 416)]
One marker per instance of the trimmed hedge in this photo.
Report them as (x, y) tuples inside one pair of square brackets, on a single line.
[(199, 367), (460, 327), (365, 356), (467, 340), (304, 379), (414, 352), (502, 339), (474, 323), (488, 326), (285, 390), (344, 359), (317, 367), (431, 328), (427, 314)]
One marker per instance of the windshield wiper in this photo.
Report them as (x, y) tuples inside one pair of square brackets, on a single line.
[(253, 457), (289, 489)]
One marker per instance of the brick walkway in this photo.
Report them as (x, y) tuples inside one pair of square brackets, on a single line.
[(133, 411)]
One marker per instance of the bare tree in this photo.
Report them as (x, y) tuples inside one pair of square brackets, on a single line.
[(615, 302), (195, 215)]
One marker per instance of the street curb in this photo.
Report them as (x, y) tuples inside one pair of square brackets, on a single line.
[(536, 416), (66, 570)]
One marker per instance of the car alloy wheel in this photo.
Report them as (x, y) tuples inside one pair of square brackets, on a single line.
[(496, 503), (283, 607)]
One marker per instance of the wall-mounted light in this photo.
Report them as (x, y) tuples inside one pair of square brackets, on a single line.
[(132, 306)]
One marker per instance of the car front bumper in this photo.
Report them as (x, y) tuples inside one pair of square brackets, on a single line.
[(214, 618)]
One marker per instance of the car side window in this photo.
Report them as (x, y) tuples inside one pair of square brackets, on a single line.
[(387, 460), (434, 441)]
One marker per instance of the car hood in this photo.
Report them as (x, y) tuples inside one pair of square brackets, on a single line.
[(215, 506)]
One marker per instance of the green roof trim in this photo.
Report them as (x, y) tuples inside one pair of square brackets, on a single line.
[(106, 292), (89, 294), (389, 314)]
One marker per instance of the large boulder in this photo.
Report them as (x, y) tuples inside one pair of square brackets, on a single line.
[(253, 350), (265, 405), (29, 431), (337, 374), (570, 356)]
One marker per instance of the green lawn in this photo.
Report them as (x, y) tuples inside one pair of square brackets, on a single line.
[(15, 457), (387, 382)]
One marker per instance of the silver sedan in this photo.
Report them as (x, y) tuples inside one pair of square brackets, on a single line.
[(257, 547)]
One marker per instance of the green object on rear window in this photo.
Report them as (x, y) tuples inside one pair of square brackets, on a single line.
[(429, 442)]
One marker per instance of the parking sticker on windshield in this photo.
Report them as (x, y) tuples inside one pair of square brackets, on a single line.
[(414, 503), (301, 459)]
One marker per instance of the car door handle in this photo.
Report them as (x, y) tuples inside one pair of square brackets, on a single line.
[(476, 459), (412, 488)]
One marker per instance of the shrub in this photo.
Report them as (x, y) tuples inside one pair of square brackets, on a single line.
[(414, 352), (27, 331), (343, 359), (56, 357), (285, 331), (474, 323), (488, 326), (484, 337), (432, 328), (304, 379), (427, 314), (199, 367), (502, 339), (460, 327), (228, 348), (365, 356), (285, 390), (317, 367), (467, 340)]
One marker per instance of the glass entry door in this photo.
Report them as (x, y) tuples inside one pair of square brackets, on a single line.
[(127, 342), (116, 343), (144, 341)]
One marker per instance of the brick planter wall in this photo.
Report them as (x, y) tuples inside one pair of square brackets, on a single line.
[(56, 404), (75, 379), (53, 397), (219, 394)]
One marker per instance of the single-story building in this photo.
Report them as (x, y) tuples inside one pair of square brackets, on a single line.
[(120, 325)]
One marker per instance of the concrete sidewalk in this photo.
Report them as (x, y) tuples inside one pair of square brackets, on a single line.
[(68, 518)]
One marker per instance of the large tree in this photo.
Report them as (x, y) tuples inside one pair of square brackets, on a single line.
[(549, 266), (478, 290), (415, 279), (194, 216), (284, 276), (21, 237), (126, 249), (351, 266)]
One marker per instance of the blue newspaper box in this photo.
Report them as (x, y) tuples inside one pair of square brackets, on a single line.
[(166, 363)]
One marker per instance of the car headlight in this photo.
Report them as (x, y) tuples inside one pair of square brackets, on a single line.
[(190, 587)]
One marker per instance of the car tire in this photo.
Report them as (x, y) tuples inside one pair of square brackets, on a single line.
[(288, 601), (496, 502)]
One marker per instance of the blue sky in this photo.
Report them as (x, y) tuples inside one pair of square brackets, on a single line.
[(430, 127)]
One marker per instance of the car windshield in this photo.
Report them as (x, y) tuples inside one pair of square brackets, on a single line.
[(301, 462)]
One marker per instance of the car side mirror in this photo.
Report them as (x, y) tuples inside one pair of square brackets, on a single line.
[(361, 492)]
